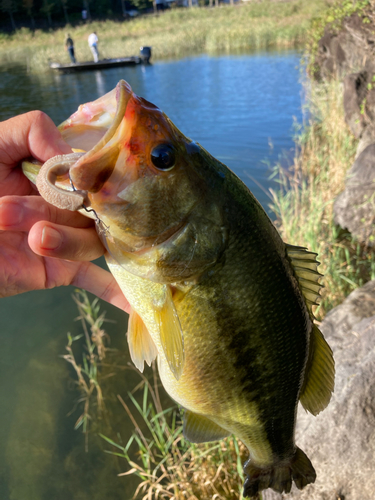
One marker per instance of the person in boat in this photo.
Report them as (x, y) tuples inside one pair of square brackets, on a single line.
[(93, 44), (42, 246), (69, 45)]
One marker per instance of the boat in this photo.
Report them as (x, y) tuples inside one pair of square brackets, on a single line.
[(144, 57)]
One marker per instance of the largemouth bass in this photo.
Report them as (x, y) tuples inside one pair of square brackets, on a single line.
[(217, 297)]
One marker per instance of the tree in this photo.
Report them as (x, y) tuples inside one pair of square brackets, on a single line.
[(47, 8), (64, 3), (9, 6), (87, 8), (142, 4), (28, 5)]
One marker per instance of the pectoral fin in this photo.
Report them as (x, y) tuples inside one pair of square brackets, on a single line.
[(199, 429), (319, 376), (141, 346), (170, 333)]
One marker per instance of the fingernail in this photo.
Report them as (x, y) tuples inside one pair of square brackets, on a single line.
[(11, 214), (51, 239)]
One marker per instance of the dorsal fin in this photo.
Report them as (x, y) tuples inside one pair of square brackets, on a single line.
[(305, 267), (319, 380), (141, 346)]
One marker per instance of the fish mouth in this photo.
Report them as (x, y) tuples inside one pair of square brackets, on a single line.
[(100, 133), (94, 132)]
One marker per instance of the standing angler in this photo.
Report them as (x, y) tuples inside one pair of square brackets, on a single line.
[(217, 297)]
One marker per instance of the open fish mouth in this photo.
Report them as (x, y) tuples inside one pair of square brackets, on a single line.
[(110, 176), (94, 132)]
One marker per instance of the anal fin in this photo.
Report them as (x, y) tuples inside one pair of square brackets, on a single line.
[(200, 429), (319, 374), (141, 346)]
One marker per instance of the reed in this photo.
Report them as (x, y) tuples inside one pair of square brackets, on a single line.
[(251, 26), (95, 349), (304, 202)]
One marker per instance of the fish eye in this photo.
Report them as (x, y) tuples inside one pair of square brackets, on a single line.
[(163, 157)]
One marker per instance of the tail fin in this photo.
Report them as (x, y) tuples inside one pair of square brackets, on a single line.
[(279, 477)]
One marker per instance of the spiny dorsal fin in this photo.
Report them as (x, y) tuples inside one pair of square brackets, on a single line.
[(141, 346), (171, 336), (200, 429), (305, 267), (319, 374)]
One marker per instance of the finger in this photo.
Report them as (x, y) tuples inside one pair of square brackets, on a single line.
[(20, 213), (101, 283), (31, 134), (70, 243)]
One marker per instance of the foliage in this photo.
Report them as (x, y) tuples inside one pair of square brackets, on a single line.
[(332, 19), (142, 4), (304, 202), (101, 9)]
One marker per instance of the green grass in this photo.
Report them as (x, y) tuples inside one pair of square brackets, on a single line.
[(304, 202), (251, 26)]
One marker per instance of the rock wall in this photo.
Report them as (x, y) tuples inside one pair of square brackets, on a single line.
[(348, 50), (350, 54), (341, 440)]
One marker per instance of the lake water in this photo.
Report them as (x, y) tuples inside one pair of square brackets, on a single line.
[(241, 109)]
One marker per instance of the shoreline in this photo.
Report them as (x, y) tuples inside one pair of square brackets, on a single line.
[(175, 33)]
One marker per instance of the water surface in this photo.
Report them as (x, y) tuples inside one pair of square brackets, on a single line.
[(241, 109)]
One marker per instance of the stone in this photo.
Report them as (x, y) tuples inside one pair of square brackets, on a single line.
[(340, 441), (359, 107), (367, 138), (354, 93), (354, 208), (346, 51)]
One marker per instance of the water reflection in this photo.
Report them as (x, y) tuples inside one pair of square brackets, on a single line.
[(100, 86), (235, 107)]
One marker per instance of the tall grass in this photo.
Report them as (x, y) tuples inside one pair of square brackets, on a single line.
[(254, 25), (304, 202)]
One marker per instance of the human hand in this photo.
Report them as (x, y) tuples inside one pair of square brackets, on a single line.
[(42, 246)]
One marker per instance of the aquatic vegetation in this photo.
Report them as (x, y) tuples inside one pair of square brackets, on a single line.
[(177, 32), (95, 352), (303, 204)]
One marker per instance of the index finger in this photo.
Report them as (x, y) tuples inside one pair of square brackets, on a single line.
[(31, 134)]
